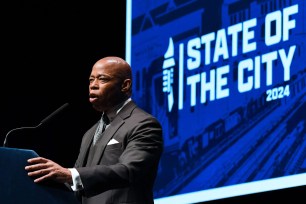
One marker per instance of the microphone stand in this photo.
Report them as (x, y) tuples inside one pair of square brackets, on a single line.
[(19, 128), (48, 118)]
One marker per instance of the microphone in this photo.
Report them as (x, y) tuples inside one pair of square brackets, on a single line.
[(57, 111), (47, 119)]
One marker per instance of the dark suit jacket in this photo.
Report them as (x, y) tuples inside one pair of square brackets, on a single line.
[(123, 172)]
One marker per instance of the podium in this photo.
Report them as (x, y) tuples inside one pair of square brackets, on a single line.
[(18, 188)]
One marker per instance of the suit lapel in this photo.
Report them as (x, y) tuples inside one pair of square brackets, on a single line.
[(105, 138), (86, 145), (111, 130)]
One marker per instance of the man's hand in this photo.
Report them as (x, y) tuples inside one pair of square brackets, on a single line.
[(44, 169)]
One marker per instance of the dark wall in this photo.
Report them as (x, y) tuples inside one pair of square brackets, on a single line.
[(48, 49)]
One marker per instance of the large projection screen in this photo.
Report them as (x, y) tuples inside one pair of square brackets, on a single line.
[(226, 78)]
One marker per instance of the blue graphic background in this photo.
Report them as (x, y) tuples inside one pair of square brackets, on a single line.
[(237, 139)]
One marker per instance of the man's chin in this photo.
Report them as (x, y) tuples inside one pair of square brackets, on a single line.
[(97, 107)]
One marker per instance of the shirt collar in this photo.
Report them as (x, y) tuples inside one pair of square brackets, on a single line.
[(112, 114)]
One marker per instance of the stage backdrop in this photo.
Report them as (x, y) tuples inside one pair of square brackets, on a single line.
[(226, 78)]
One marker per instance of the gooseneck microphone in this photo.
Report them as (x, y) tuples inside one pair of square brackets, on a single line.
[(47, 119)]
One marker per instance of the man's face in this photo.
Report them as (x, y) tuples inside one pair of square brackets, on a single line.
[(104, 87)]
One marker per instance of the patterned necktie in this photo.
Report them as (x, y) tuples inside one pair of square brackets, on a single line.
[(104, 121)]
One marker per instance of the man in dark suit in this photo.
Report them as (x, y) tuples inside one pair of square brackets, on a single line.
[(119, 155)]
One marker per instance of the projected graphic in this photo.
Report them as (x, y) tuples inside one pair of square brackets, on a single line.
[(227, 81)]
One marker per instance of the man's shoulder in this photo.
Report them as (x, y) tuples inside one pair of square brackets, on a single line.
[(134, 111)]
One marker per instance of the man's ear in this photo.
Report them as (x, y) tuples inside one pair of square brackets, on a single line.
[(126, 85)]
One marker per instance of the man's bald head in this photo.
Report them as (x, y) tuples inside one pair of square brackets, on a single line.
[(110, 82), (123, 69)]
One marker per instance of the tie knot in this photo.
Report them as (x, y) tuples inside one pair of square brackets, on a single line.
[(105, 119)]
